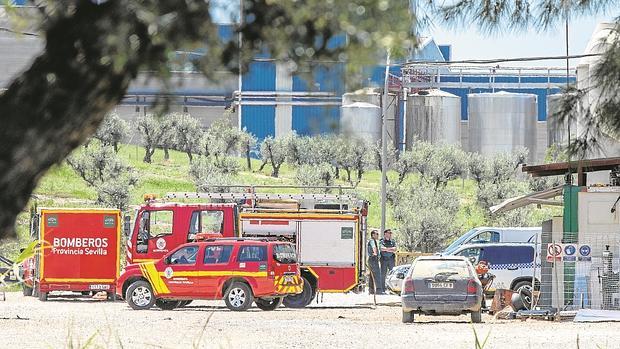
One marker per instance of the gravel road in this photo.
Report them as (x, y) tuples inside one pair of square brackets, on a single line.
[(340, 321)]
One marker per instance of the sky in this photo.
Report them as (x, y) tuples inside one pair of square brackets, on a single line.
[(472, 44)]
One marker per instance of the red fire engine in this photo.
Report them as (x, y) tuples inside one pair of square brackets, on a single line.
[(79, 251), (328, 231)]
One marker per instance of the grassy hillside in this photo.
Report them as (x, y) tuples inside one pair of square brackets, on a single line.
[(61, 187)]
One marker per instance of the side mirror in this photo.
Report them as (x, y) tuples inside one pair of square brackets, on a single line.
[(167, 260), (127, 225), (400, 276)]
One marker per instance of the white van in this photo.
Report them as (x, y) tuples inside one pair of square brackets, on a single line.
[(511, 263), (487, 235)]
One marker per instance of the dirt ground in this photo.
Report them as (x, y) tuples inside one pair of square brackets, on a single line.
[(340, 321)]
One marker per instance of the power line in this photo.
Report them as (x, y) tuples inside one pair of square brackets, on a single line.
[(502, 60)]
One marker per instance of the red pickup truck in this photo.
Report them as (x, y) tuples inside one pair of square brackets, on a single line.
[(239, 270)]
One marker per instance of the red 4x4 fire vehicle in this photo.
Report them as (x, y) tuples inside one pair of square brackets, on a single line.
[(241, 271)]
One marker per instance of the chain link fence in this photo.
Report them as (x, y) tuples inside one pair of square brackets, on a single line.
[(579, 270)]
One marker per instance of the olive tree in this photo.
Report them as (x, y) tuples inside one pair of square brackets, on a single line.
[(315, 175), (273, 151), (156, 132), (188, 134), (112, 131), (93, 50), (425, 217), (352, 156), (247, 143), (102, 169)]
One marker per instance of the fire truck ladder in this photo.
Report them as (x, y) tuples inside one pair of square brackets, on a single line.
[(260, 196)]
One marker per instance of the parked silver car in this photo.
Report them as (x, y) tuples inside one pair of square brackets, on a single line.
[(441, 285), (394, 278)]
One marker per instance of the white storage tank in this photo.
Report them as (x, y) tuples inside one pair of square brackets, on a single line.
[(370, 96), (502, 122), (433, 116), (361, 119)]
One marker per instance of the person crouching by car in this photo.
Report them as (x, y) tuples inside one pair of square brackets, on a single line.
[(374, 251)]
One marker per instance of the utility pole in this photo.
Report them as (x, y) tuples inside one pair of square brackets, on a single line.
[(240, 81), (384, 161)]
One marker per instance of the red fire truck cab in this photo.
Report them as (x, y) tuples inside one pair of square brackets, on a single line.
[(241, 271), (161, 227), (327, 230)]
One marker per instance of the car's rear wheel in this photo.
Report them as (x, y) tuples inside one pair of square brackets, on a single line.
[(184, 303), (407, 317), (476, 316), (167, 304), (26, 291), (140, 295), (238, 297), (302, 299), (268, 304)]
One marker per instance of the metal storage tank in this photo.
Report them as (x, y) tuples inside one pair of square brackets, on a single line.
[(433, 116), (361, 119), (502, 122), (373, 96)]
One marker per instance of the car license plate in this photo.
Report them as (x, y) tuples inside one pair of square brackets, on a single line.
[(441, 285), (289, 279), (99, 287)]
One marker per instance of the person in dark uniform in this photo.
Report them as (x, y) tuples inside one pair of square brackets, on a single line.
[(374, 252), (388, 255)]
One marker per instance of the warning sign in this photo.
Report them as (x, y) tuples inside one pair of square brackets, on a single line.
[(554, 252)]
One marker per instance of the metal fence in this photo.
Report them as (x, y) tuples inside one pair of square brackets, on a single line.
[(579, 270)]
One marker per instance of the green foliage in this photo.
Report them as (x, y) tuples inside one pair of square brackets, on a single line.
[(273, 151), (315, 175), (425, 216), (103, 170), (208, 177), (497, 180), (376, 159), (352, 155), (188, 134), (154, 133), (112, 131)]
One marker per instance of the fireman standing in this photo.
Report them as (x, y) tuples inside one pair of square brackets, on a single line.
[(374, 253), (388, 254)]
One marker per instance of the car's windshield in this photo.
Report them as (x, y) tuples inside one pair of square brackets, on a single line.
[(458, 242), (432, 268), (284, 253)]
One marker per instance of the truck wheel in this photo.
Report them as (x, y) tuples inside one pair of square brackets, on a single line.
[(476, 316), (26, 291), (140, 295), (42, 296), (300, 300), (407, 317), (164, 304), (268, 304), (238, 297)]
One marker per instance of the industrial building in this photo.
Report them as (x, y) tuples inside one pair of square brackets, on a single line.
[(483, 107)]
